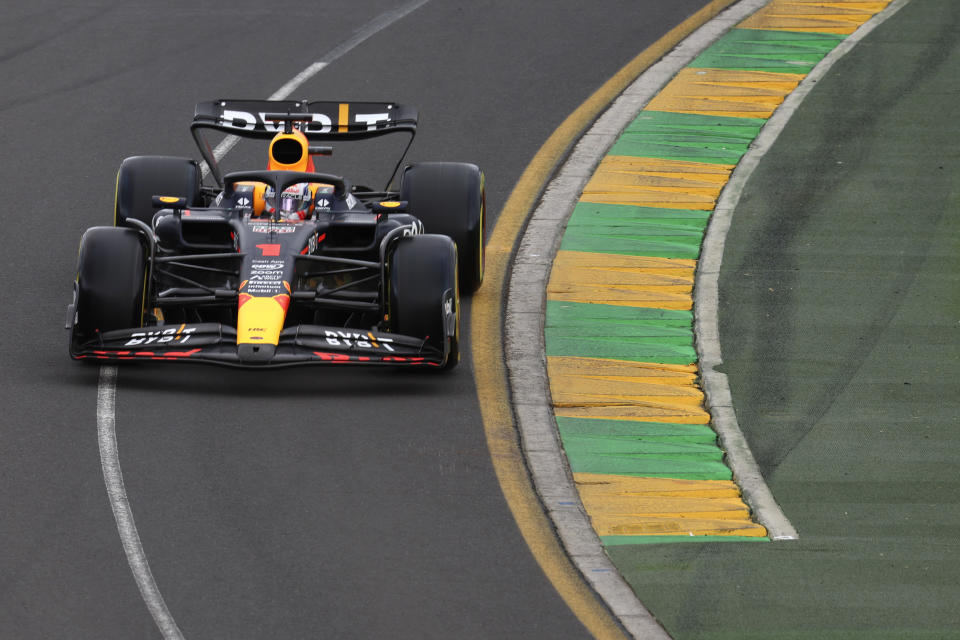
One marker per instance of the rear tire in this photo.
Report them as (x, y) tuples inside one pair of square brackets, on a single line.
[(449, 198), (423, 269), (142, 177), (111, 272)]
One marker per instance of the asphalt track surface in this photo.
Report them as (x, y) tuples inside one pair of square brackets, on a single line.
[(300, 503)]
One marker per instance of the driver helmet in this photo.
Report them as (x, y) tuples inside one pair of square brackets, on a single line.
[(296, 202)]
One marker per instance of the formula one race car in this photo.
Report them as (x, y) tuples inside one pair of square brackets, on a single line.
[(282, 266)]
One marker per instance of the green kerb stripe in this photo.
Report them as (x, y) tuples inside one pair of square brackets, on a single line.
[(774, 51), (688, 137), (642, 449), (635, 231), (651, 431), (623, 333), (644, 464)]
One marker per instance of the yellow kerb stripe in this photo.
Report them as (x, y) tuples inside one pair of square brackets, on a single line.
[(652, 182), (630, 281), (625, 505), (724, 92), (815, 16), (625, 390)]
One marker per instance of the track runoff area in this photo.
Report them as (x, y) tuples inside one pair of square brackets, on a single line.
[(621, 355)]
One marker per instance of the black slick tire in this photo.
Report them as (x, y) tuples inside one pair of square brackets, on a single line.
[(423, 280), (142, 177), (111, 272), (449, 198)]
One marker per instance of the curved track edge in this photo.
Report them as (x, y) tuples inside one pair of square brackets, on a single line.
[(526, 304), (628, 91)]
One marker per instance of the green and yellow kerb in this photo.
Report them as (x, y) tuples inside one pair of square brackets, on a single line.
[(619, 323)]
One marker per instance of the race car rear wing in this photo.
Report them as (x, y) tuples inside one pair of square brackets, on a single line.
[(319, 120)]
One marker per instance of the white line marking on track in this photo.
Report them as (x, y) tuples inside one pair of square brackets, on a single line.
[(373, 27), (107, 384), (113, 478)]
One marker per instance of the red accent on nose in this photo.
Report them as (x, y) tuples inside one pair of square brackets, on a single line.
[(283, 300), (242, 298), (181, 354), (334, 357), (269, 250)]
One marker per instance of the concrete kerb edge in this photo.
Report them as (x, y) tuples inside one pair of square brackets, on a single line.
[(706, 286), (523, 327)]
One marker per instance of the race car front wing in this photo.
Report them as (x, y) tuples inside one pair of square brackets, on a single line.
[(215, 343)]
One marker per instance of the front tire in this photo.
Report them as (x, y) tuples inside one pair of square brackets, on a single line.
[(424, 292), (110, 284)]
